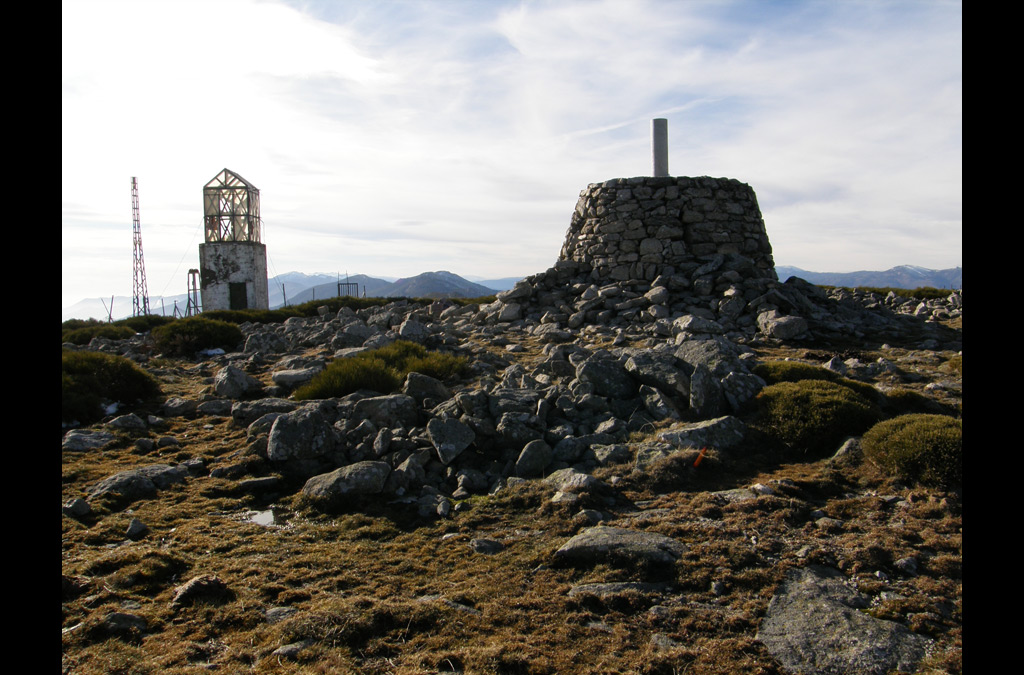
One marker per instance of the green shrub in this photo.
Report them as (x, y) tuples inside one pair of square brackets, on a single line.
[(89, 380), (345, 376), (85, 334), (142, 324), (81, 332), (382, 369), (813, 416), (185, 337), (71, 324), (774, 372), (863, 388), (923, 448), (310, 308), (906, 401), (437, 365)]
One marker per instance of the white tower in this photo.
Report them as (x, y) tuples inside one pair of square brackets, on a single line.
[(233, 261)]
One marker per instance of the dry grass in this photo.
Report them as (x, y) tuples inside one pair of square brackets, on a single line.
[(377, 590)]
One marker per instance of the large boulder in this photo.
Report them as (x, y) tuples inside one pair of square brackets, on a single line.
[(361, 478), (232, 382), (722, 433), (393, 410), (608, 377), (620, 546), (245, 413), (449, 437), (775, 325), (816, 624), (303, 434)]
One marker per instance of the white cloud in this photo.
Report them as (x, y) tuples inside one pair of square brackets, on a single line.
[(480, 120)]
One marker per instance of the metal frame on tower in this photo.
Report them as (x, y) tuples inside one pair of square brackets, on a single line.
[(140, 294)]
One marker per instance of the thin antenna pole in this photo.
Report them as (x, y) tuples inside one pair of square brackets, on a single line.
[(140, 302)]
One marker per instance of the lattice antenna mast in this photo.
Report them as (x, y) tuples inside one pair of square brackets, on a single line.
[(140, 306)]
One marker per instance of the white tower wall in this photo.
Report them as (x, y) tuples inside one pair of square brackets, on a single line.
[(233, 275)]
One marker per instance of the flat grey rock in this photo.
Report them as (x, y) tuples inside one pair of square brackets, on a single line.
[(129, 422), (613, 544), (141, 482), (85, 439), (722, 433), (814, 624)]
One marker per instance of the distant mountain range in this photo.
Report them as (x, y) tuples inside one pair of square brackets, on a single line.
[(296, 287), (904, 276), (427, 285)]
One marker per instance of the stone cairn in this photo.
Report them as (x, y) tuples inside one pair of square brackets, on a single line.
[(650, 250), (641, 228)]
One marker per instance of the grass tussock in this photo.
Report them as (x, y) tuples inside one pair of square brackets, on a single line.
[(921, 448), (144, 570), (813, 416), (81, 332), (90, 380), (306, 309), (774, 372), (84, 335), (955, 364), (383, 370), (186, 337)]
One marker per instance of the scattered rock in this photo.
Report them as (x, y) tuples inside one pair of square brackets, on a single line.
[(486, 546), (123, 624), (292, 650), (77, 508), (129, 422), (136, 529)]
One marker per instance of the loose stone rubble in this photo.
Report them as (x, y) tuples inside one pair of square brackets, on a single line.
[(645, 322)]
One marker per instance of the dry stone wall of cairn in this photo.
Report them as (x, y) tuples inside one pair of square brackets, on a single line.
[(641, 228)]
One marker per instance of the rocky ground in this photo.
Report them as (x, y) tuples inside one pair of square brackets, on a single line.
[(594, 496)]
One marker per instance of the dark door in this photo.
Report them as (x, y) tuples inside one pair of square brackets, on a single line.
[(237, 296)]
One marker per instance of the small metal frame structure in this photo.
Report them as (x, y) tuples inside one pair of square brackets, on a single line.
[(231, 209), (347, 287), (192, 308)]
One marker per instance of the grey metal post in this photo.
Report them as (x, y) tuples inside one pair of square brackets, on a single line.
[(659, 145)]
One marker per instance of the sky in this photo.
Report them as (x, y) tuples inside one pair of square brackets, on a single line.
[(391, 138)]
